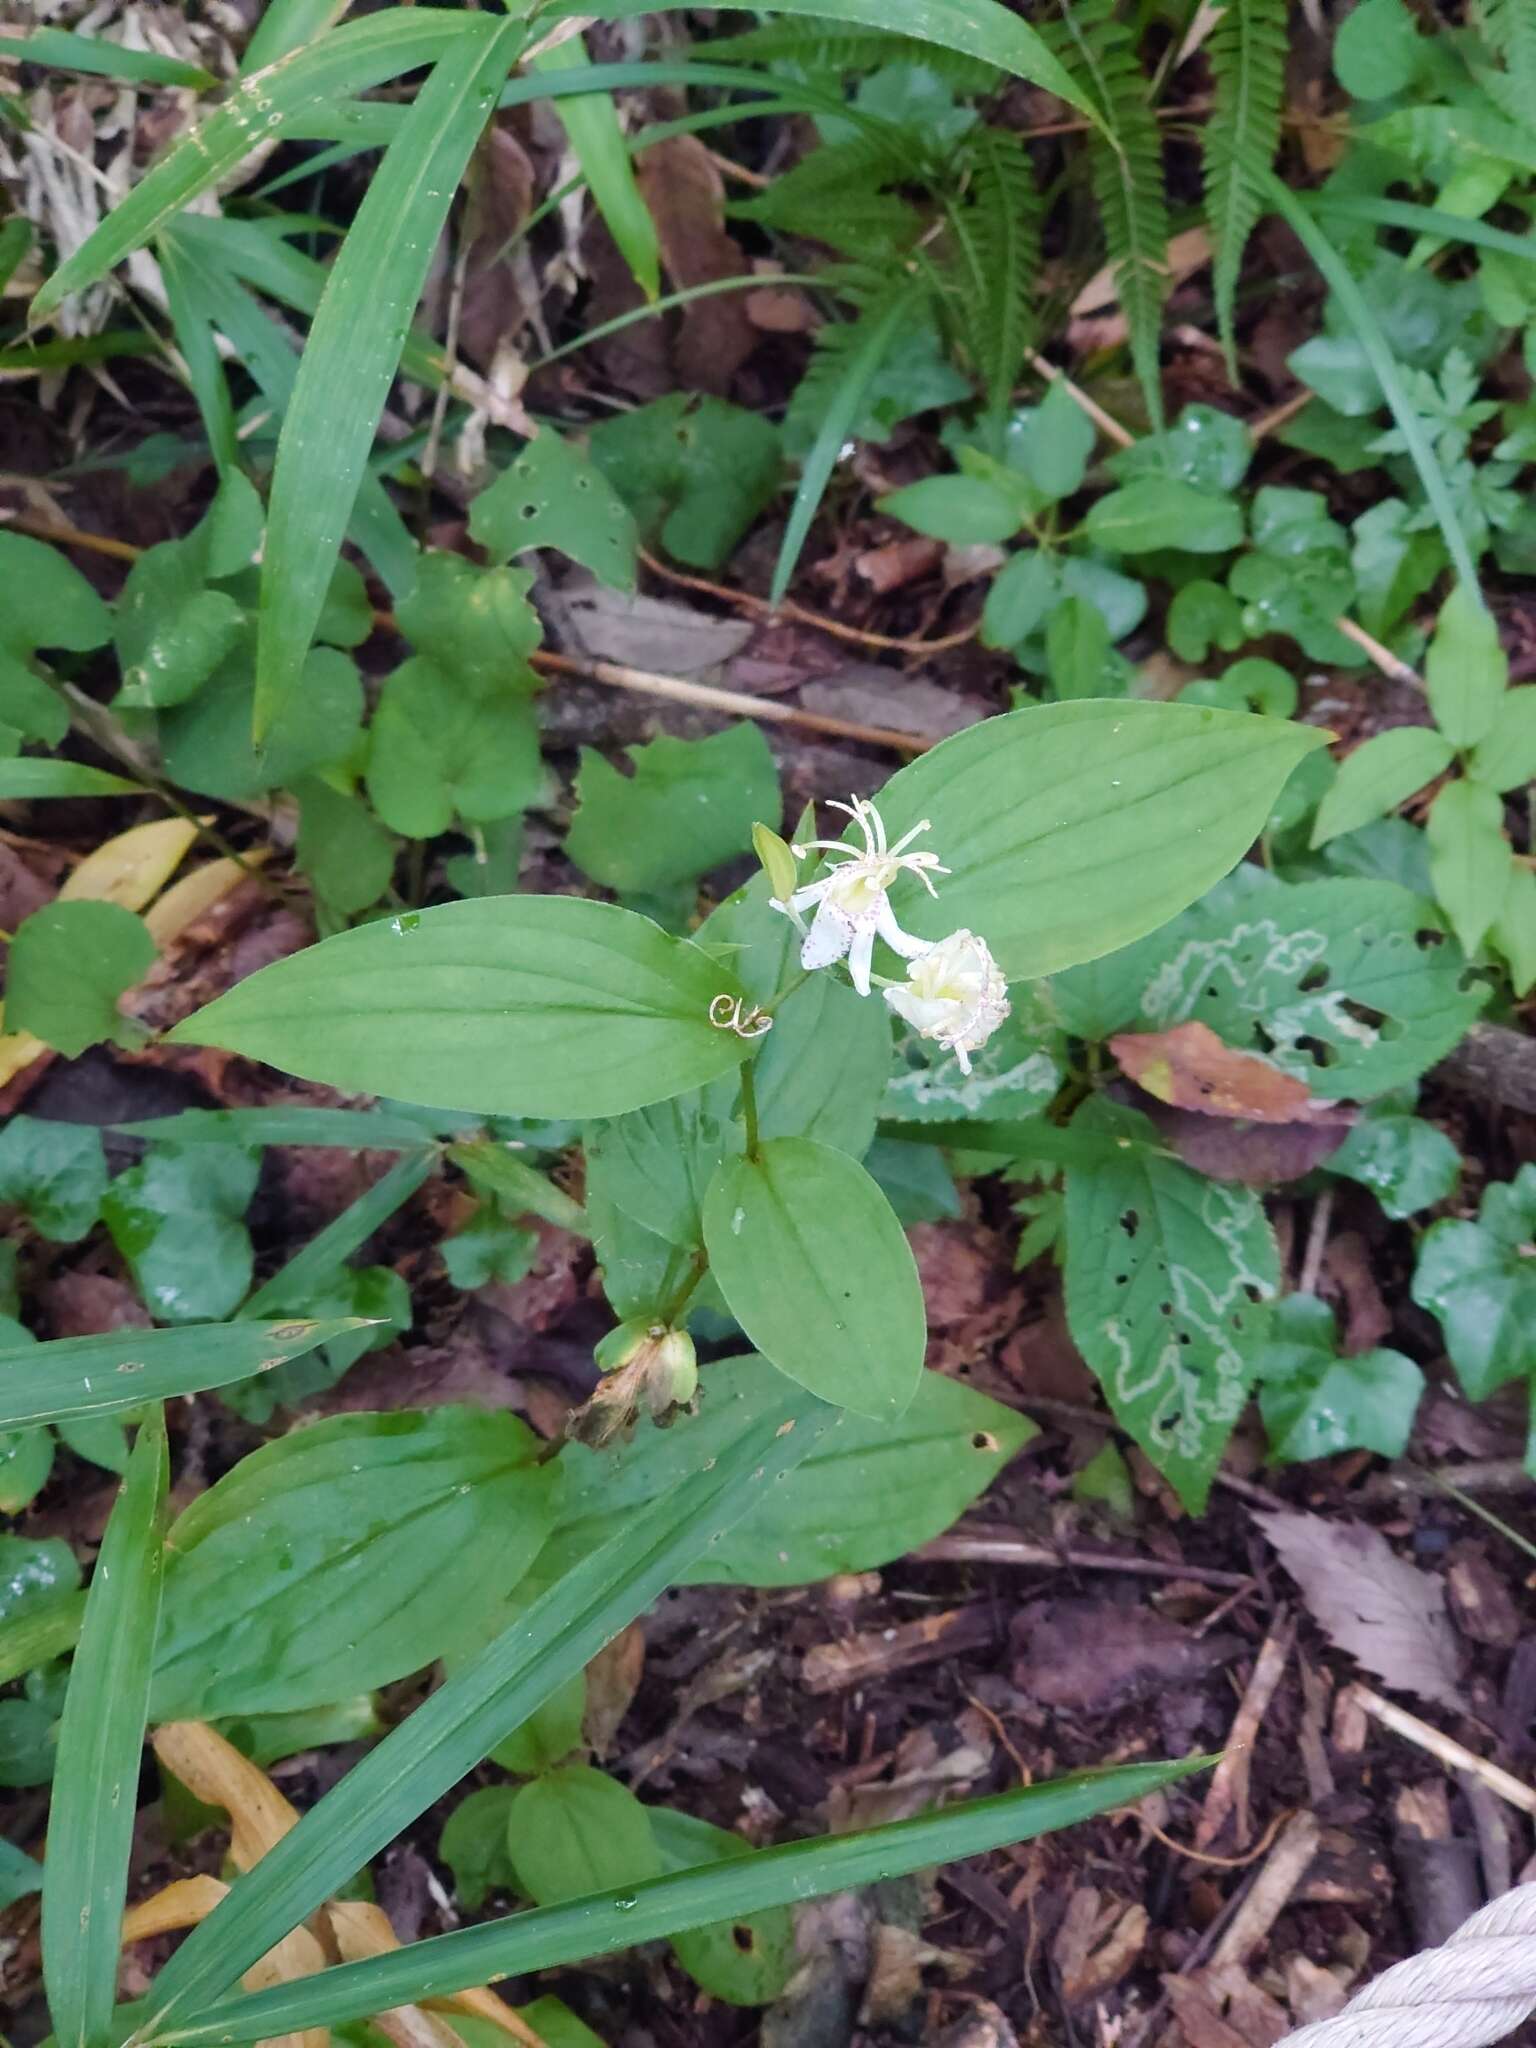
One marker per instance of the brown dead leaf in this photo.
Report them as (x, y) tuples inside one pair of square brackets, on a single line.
[(1190, 1067), (1370, 1603), (1095, 1655), (686, 197), (1255, 1155), (613, 1679), (1097, 1942), (898, 562), (501, 190)]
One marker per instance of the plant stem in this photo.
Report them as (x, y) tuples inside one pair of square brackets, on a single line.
[(749, 1109)]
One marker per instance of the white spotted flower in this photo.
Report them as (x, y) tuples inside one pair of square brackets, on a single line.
[(954, 993), (852, 904)]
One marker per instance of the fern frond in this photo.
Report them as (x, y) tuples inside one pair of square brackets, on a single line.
[(1247, 49), (824, 47), (837, 193), (992, 259), (1437, 139), (1126, 166), (873, 290)]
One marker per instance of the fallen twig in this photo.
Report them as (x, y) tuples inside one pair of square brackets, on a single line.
[(1444, 1749), (1001, 1546), (1228, 1790)]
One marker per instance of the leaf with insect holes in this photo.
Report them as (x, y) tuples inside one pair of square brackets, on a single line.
[(552, 496), (1370, 1603), (1169, 1278), (1350, 986)]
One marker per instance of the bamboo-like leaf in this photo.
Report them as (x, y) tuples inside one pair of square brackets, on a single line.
[(319, 1260), (864, 360), (1427, 220), (90, 1825), (355, 342), (75, 1376), (462, 1722), (29, 776), (1378, 351), (591, 121), (669, 1905), (355, 57), (288, 25), (978, 28), (66, 51)]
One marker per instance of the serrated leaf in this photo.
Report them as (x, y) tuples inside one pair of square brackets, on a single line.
[(1348, 985), (529, 1005), (55, 1173), (814, 1266), (1407, 1164), (1370, 1603), (1169, 1278), (441, 750)]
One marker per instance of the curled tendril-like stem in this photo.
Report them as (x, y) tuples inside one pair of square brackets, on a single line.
[(727, 1013)]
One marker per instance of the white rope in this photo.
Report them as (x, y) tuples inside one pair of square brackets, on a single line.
[(1468, 1994)]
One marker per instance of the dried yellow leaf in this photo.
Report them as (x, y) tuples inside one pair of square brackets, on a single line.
[(132, 868)]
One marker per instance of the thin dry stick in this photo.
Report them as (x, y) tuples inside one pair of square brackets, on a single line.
[(704, 696), (1317, 1243), (1382, 657), (1228, 1791), (786, 608), (1106, 422), (1288, 1864), (1450, 1753), (1001, 1546)]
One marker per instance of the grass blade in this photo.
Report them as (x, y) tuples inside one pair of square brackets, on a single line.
[(459, 1724), (979, 28), (356, 56), (288, 25), (836, 425), (28, 776), (355, 342), (669, 1905), (371, 1129), (326, 1253), (64, 51), (101, 1734), (1352, 301), (1427, 220), (37, 1637), (263, 349), (592, 123), (122, 1369)]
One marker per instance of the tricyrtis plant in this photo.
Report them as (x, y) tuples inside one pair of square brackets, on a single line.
[(1012, 850)]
